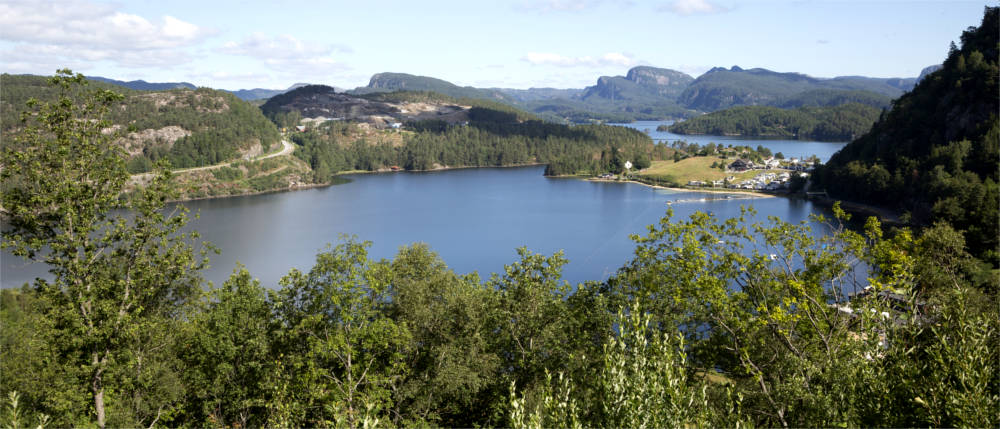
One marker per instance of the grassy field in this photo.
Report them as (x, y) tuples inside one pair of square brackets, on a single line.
[(685, 170), (694, 168)]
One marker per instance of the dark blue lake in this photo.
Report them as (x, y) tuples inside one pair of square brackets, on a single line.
[(474, 218)]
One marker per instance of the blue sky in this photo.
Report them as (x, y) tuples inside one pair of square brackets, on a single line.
[(493, 43)]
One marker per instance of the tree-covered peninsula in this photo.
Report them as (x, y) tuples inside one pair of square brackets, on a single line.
[(424, 131), (837, 123)]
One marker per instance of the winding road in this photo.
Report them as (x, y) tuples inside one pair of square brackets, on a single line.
[(286, 149)]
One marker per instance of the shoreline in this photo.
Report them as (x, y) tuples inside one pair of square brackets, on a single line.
[(443, 168), (884, 215), (250, 194), (339, 176), (705, 190)]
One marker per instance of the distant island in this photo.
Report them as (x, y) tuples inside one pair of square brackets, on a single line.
[(838, 123)]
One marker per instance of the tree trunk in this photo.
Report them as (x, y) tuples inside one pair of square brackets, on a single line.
[(99, 406), (97, 386)]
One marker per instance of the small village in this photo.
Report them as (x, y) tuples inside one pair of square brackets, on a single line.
[(767, 180)]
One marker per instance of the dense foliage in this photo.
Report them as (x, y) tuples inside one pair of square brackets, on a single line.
[(142, 85), (838, 123), (491, 138), (713, 322), (834, 97), (219, 125), (935, 154), (715, 331), (120, 278), (599, 109)]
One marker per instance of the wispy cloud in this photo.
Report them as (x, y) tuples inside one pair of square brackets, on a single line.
[(79, 31), (289, 55), (693, 7), (608, 59)]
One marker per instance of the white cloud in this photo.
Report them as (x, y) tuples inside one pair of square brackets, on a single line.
[(289, 55), (24, 59), (694, 7), (608, 59), (75, 31), (180, 30)]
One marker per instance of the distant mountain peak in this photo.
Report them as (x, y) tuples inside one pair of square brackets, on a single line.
[(720, 88), (653, 77), (388, 81), (641, 83), (392, 81), (263, 94)]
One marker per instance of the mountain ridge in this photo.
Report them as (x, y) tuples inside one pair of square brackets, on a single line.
[(647, 92), (141, 85), (720, 87), (264, 93)]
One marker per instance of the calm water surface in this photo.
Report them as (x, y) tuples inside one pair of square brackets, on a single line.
[(790, 148), (474, 218)]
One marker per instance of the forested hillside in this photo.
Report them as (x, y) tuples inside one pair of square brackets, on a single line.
[(935, 154), (142, 85), (187, 127), (840, 123), (491, 137), (834, 97)]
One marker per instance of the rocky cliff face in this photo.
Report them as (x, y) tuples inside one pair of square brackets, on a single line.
[(390, 81), (665, 82), (641, 83), (928, 70)]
